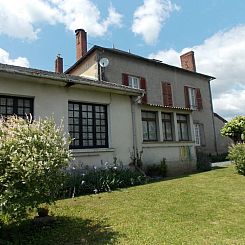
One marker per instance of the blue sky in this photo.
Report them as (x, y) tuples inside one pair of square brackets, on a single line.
[(33, 32)]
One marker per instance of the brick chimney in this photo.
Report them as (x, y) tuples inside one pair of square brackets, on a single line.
[(59, 64), (188, 61), (81, 43)]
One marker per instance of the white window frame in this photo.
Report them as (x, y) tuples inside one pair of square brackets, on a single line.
[(133, 82), (197, 134), (192, 98)]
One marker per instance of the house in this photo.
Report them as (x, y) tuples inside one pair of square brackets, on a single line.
[(166, 87), (115, 104), (223, 143)]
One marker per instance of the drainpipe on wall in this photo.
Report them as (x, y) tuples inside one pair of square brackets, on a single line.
[(134, 103)]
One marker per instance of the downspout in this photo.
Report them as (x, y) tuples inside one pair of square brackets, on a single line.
[(134, 102), (215, 139)]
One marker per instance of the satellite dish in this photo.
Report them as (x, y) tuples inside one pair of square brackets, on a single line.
[(104, 62)]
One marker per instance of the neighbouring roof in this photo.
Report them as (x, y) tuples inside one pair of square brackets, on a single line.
[(124, 53), (68, 79), (220, 117)]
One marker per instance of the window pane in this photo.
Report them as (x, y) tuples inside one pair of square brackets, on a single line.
[(185, 131), (152, 130), (145, 132), (168, 131), (10, 102), (3, 101), (2, 110), (197, 134)]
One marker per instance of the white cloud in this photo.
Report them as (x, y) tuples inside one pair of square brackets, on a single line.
[(221, 56), (84, 14), (20, 19), (150, 17), (5, 59)]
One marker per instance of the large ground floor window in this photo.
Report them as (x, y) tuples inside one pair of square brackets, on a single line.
[(11, 105), (182, 127), (167, 126), (149, 126), (88, 125)]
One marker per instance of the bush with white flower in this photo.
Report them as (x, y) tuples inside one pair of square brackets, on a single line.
[(33, 155)]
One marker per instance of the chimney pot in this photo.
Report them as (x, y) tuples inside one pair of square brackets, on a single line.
[(81, 43), (59, 64), (188, 61)]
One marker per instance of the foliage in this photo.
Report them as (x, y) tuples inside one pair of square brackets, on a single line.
[(237, 155), (203, 162), (157, 170), (32, 157), (104, 179), (136, 158), (234, 128)]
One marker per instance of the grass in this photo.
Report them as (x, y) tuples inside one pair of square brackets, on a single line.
[(204, 208)]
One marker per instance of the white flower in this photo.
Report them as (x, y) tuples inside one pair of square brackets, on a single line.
[(95, 191), (95, 167)]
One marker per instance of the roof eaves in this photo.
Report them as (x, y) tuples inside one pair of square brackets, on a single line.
[(168, 107), (66, 78)]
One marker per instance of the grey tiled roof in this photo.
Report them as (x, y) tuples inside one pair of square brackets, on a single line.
[(65, 78)]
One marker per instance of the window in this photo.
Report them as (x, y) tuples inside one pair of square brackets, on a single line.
[(88, 125), (193, 98), (182, 127), (197, 134), (149, 126), (19, 106), (133, 82), (167, 126)]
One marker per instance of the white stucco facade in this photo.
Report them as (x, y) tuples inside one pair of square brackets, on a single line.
[(52, 94)]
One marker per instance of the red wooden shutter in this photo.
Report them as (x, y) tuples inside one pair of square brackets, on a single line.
[(143, 86), (125, 79), (167, 94), (198, 99), (187, 100)]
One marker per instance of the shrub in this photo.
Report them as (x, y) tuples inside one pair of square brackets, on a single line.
[(157, 170), (94, 180), (203, 162), (237, 155), (32, 156)]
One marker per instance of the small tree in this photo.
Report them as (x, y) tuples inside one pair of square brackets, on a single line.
[(237, 155), (32, 158), (234, 128)]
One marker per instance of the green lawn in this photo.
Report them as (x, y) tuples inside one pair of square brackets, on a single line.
[(204, 208)]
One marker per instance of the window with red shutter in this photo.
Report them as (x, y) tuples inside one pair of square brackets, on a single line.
[(167, 94), (193, 98), (143, 86)]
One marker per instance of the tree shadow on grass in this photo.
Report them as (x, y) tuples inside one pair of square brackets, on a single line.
[(62, 231)]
